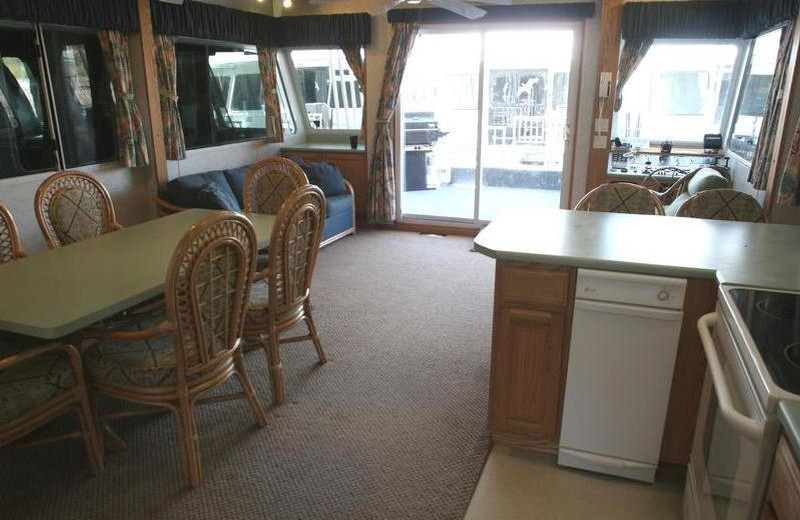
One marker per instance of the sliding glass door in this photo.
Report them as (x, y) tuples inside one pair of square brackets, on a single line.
[(485, 122)]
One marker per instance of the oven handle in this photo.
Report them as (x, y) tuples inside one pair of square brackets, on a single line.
[(748, 427)]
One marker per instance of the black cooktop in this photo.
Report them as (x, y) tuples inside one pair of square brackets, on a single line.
[(773, 319)]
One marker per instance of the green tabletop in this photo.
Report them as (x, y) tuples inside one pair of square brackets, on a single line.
[(55, 293)]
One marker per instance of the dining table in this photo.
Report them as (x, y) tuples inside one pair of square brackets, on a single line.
[(55, 293)]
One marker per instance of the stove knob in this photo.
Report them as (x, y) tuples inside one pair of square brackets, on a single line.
[(663, 295)]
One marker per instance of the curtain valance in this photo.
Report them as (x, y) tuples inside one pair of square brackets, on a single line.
[(496, 13), (117, 15), (728, 19), (214, 22)]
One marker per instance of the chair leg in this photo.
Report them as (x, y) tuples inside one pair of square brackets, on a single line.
[(252, 398), (91, 435), (312, 330), (275, 367), (187, 436)]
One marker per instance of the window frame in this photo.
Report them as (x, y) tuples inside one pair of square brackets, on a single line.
[(331, 132), (726, 121), (53, 121), (293, 129), (741, 84)]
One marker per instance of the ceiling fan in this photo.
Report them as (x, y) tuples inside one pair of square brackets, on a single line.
[(463, 8)]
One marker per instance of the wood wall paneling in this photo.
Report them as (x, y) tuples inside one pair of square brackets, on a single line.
[(687, 379)]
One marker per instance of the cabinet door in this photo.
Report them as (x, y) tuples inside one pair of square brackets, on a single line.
[(527, 375)]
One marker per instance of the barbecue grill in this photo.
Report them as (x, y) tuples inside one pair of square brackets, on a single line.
[(421, 133)]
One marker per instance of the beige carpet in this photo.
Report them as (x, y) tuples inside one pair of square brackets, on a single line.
[(393, 427)]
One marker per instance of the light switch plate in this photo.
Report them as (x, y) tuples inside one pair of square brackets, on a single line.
[(600, 141), (601, 125)]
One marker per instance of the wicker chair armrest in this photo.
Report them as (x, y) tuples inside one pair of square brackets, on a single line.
[(126, 335), (116, 226), (166, 208), (27, 354), (261, 275)]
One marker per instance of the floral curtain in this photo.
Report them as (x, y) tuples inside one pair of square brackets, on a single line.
[(381, 197), (268, 65), (131, 143), (759, 172), (167, 65), (352, 54), (789, 190), (632, 54)]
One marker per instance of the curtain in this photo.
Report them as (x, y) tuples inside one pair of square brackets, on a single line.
[(381, 200), (131, 143), (167, 65), (117, 15), (759, 172), (632, 54), (352, 54), (789, 190), (268, 66)]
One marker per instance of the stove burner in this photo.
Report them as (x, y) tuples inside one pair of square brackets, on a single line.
[(777, 308), (792, 354)]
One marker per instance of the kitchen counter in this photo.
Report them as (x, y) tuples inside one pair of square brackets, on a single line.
[(759, 255), (789, 412)]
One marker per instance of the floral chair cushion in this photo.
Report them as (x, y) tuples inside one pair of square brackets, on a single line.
[(723, 204), (146, 363), (28, 385), (258, 304)]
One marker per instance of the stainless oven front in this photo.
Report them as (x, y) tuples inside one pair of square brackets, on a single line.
[(734, 438)]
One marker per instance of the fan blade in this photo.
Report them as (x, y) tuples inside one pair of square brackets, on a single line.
[(390, 4), (495, 2), (460, 8)]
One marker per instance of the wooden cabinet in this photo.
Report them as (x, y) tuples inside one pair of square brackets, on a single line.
[(532, 320), (782, 501), (352, 164)]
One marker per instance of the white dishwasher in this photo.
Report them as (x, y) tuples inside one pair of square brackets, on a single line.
[(625, 332)]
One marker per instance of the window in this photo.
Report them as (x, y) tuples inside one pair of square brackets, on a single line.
[(29, 138), (331, 94), (755, 90), (220, 95), (679, 92), (287, 118)]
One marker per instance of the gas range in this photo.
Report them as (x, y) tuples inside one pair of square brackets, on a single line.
[(766, 328)]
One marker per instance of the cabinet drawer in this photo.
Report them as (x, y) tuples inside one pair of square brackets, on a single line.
[(784, 486), (519, 283)]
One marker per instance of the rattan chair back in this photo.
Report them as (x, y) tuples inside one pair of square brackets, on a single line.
[(293, 248), (269, 182), (207, 286), (72, 206), (9, 238), (722, 204), (621, 197)]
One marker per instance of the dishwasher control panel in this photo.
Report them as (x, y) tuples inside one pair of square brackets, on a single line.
[(630, 289)]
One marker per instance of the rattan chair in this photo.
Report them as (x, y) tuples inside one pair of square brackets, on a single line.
[(621, 197), (72, 206), (37, 384), (175, 363), (269, 182), (9, 238), (722, 204), (282, 300)]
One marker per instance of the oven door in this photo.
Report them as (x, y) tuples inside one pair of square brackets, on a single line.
[(727, 471)]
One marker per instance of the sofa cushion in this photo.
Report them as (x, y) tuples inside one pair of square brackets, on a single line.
[(211, 196), (338, 204), (184, 191), (325, 175), (706, 179), (676, 204), (235, 178)]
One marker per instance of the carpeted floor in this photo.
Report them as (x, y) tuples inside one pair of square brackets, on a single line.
[(393, 427)]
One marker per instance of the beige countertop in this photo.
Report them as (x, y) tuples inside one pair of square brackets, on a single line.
[(343, 147), (758, 255)]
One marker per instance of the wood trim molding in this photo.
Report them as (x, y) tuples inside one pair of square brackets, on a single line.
[(147, 43), (607, 61)]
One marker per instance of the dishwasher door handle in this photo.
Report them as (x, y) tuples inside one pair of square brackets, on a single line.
[(748, 427), (653, 313)]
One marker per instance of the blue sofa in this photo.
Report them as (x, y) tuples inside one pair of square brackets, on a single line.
[(223, 189)]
